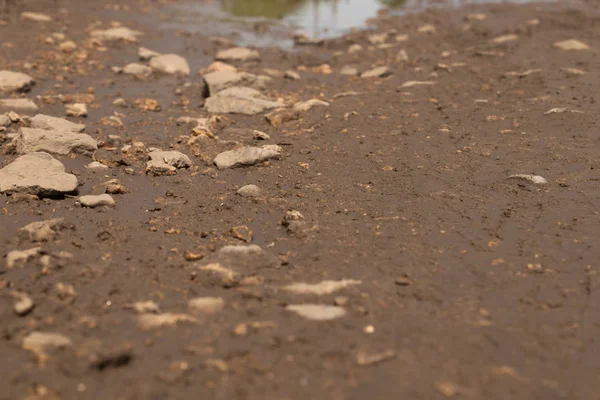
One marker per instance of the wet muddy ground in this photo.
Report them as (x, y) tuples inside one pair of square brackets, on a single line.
[(445, 276)]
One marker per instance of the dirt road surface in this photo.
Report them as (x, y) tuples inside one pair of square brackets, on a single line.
[(426, 230)]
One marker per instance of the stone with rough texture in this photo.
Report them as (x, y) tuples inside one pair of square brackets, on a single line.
[(137, 69), (100, 200), (41, 231), (237, 54), (240, 249), (207, 305), (249, 191), (39, 174), (321, 288), (95, 165), (31, 140), (47, 122), (220, 80), (239, 100), (11, 81), (24, 305), (166, 162), (170, 64), (219, 66), (20, 105), (121, 33), (246, 156), (317, 312)]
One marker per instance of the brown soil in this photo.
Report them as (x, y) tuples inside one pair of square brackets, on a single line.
[(473, 285)]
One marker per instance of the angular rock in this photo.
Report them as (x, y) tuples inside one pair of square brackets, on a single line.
[(31, 140), (571, 45), (280, 116), (165, 162), (239, 100), (143, 307), (218, 81), (47, 122), (19, 257), (379, 72), (244, 156), (114, 34), (321, 288), (249, 191), (259, 135), (76, 110), (317, 312), (207, 305), (304, 106), (11, 81), (237, 54), (170, 64), (145, 54), (41, 231), (5, 120), (137, 69), (20, 105), (100, 200), (37, 17), (38, 174), (505, 38)]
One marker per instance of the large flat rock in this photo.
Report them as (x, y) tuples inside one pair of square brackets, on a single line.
[(239, 100), (30, 140), (39, 174), (11, 81)]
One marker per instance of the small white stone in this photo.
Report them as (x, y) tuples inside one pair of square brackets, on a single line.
[(249, 191), (317, 312), (207, 305), (535, 179)]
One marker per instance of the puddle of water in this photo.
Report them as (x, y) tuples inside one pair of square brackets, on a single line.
[(315, 18)]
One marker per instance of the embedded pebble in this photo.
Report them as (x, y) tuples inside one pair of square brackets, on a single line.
[(244, 156), (240, 249), (207, 305), (293, 75), (535, 179), (239, 100), (76, 110), (153, 321), (259, 135), (249, 191), (40, 342), (137, 69), (143, 307), (96, 166), (35, 16), (321, 288), (304, 106), (237, 54), (571, 45), (16, 258), (39, 174), (24, 305), (41, 231), (409, 84), (167, 162), (145, 54), (93, 201), (505, 38), (170, 64), (317, 312), (114, 34), (379, 72)]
